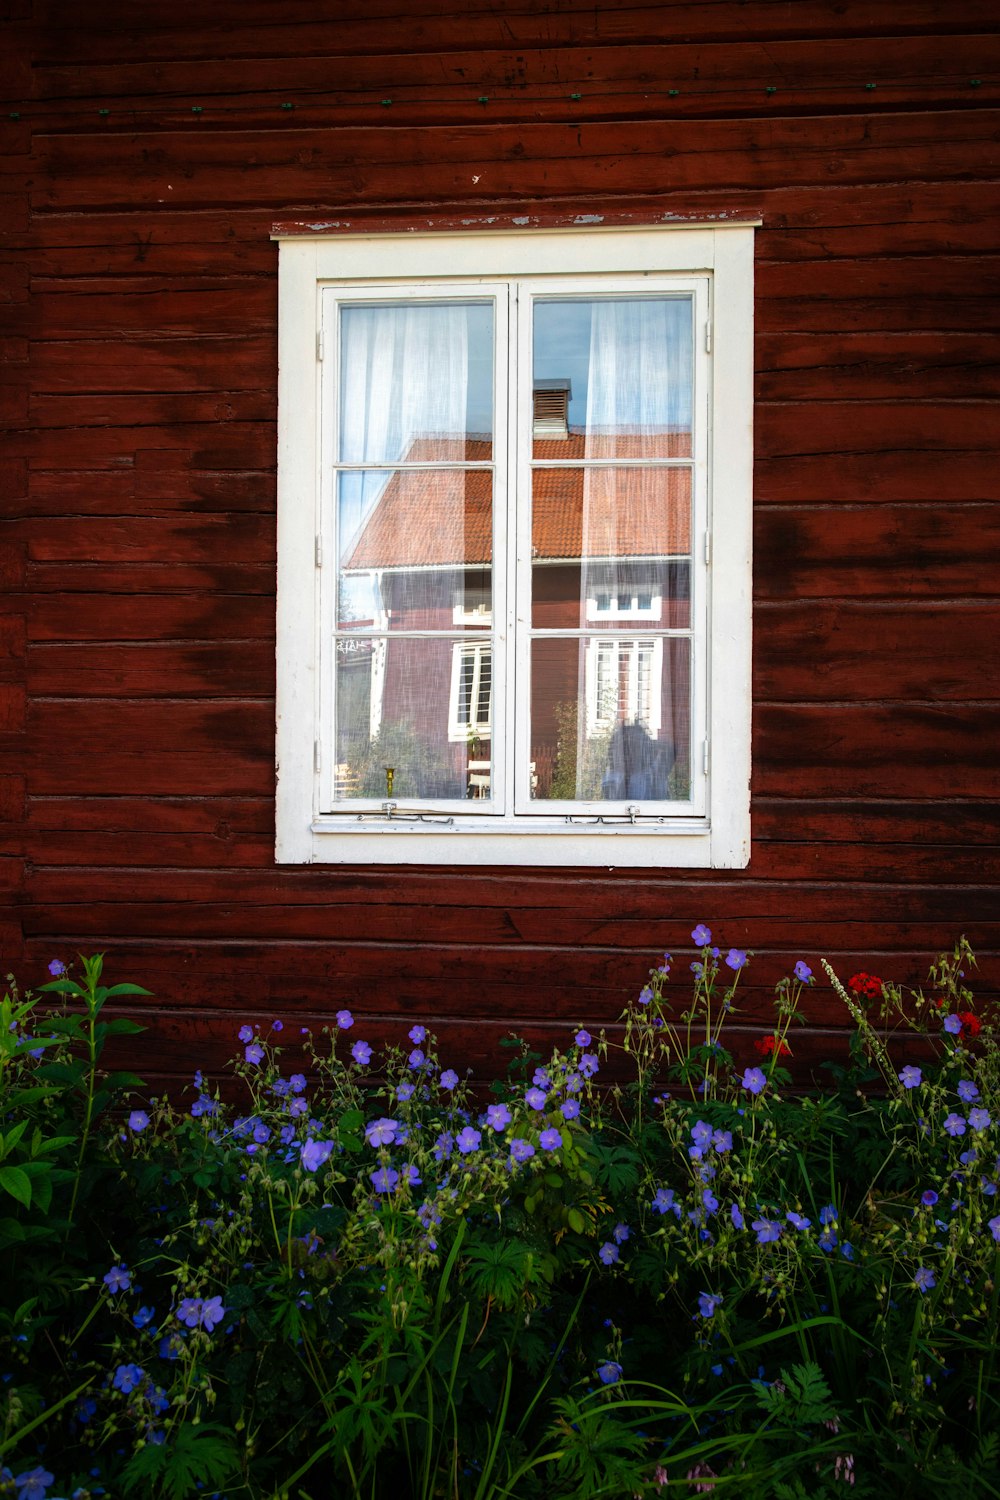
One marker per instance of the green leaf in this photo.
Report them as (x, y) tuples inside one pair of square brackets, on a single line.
[(576, 1221), (351, 1121), (123, 1026), (195, 1458), (10, 1140), (128, 989), (17, 1183)]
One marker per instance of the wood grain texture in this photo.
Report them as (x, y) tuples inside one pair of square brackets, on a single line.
[(138, 357)]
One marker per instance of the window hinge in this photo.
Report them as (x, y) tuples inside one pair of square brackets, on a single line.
[(317, 756), (705, 756), (708, 339), (319, 344), (319, 551), (708, 547)]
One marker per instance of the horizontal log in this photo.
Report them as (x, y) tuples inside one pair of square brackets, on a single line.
[(118, 409), (120, 306), (947, 823), (238, 446), (193, 669), (228, 363), (854, 651), (164, 485), (151, 539), (875, 551), (209, 168), (152, 578), (101, 616), (876, 366)]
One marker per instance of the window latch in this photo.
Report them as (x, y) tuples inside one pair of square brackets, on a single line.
[(390, 814)]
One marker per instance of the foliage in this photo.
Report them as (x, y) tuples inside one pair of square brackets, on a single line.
[(363, 1281)]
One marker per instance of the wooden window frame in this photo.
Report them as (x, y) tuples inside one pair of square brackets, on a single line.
[(717, 833)]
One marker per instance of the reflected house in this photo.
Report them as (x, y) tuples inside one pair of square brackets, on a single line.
[(610, 549)]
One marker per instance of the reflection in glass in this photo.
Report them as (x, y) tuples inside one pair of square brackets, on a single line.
[(416, 381), (622, 367), (609, 544), (415, 548), (422, 707), (611, 718)]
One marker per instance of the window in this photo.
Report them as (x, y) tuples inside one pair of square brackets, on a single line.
[(514, 547)]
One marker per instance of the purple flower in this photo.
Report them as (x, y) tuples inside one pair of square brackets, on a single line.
[(797, 1220), (664, 1200), (498, 1117), (910, 1077), (954, 1124), (701, 936), (707, 1303), (588, 1064), (608, 1253), (924, 1279), (57, 967), (803, 973), (645, 995), (32, 1483), (189, 1311), (953, 1025), (245, 1034), (297, 1083), (212, 1313), (535, 1098), (468, 1140), (417, 1034), (277, 1025), (569, 1109), (313, 1154), (404, 1091), (449, 1078), (722, 1140), (768, 1231), (138, 1120), (582, 1039), (550, 1140), (344, 1020), (118, 1279), (979, 1119), (828, 1214), (737, 1218), (753, 1080), (994, 1225), (609, 1372), (967, 1090), (521, 1150), (143, 1317), (829, 1239), (736, 958), (416, 1058), (254, 1054), (384, 1179), (621, 1234), (381, 1132), (929, 1198), (362, 1053), (701, 1134)]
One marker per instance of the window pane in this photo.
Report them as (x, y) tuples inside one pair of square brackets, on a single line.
[(415, 549), (421, 707), (612, 378), (611, 719), (416, 381), (610, 545)]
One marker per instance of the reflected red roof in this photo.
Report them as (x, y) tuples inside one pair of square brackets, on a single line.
[(442, 518)]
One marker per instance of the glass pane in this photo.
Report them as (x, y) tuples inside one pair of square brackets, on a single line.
[(416, 382), (611, 719), (415, 549), (609, 545), (612, 378), (422, 708)]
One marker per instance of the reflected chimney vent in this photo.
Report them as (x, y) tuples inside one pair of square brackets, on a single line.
[(551, 409)]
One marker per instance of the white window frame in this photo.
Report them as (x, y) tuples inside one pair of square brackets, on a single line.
[(460, 730), (716, 833)]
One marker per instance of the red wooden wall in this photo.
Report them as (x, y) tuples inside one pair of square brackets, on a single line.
[(148, 148)]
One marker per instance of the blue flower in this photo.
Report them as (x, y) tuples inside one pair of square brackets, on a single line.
[(609, 1372), (535, 1098), (707, 1303), (212, 1313), (384, 1179), (701, 936), (828, 1214), (127, 1377), (829, 1239), (313, 1154), (498, 1117), (701, 1134), (768, 1230), (621, 1234), (381, 1132), (736, 1216), (468, 1140), (32, 1484), (297, 1083), (924, 1279), (404, 1091), (954, 1124), (138, 1120), (753, 1080), (736, 958), (952, 1024), (144, 1316), (521, 1150), (189, 1311), (798, 1221), (994, 1226), (967, 1090), (245, 1034), (362, 1053), (582, 1039), (710, 1201), (550, 1140), (588, 1064), (608, 1253), (449, 1079), (344, 1020), (910, 1077), (417, 1034), (645, 995), (118, 1279), (664, 1201), (803, 973), (929, 1198), (569, 1109), (979, 1119), (57, 967), (254, 1054)]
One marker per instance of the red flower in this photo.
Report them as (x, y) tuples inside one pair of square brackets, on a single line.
[(765, 1045), (866, 985), (970, 1023)]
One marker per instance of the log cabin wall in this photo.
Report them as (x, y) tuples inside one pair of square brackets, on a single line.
[(147, 149)]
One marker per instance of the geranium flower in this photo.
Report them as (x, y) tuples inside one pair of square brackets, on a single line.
[(803, 973), (707, 1303), (866, 985), (521, 1150), (468, 1140), (550, 1140), (970, 1022), (609, 1372), (344, 1020), (245, 1034), (967, 1090), (979, 1119), (765, 1045), (535, 1098), (664, 1200), (254, 1054), (569, 1109), (417, 1034), (498, 1117), (362, 1053), (138, 1120), (449, 1079), (924, 1279), (127, 1377), (952, 1024), (32, 1483), (911, 1077), (582, 1039), (736, 959), (701, 936), (381, 1132), (954, 1124), (753, 1081), (768, 1231), (384, 1179), (313, 1154), (118, 1279), (608, 1253)]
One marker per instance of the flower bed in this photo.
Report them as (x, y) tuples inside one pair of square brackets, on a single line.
[(365, 1281)]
